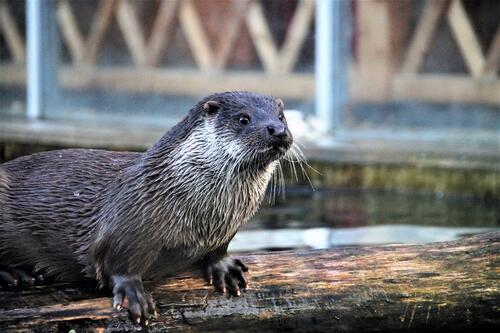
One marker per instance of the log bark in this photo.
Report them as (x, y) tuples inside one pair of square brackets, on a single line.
[(447, 287)]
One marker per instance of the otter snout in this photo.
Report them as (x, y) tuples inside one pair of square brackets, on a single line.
[(276, 130), (279, 135)]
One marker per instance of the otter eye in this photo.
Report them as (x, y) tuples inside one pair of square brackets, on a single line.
[(244, 120), (281, 117)]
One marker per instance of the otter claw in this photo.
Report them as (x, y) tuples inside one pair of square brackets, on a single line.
[(228, 275), (130, 293), (25, 278), (16, 277), (8, 279)]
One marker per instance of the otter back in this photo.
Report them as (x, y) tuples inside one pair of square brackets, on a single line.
[(46, 201)]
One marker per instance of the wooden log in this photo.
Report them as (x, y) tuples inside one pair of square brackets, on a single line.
[(446, 287)]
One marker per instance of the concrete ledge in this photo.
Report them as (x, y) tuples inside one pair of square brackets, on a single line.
[(455, 164)]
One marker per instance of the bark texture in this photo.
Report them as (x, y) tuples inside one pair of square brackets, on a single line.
[(451, 286)]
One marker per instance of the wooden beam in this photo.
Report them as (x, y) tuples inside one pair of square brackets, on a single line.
[(100, 24), (440, 287), (262, 37), (79, 134), (13, 75), (296, 85), (161, 31), (70, 32), (296, 34), (493, 56), (422, 38), (445, 88), (425, 87), (195, 83), (11, 34), (373, 44), (195, 35), (131, 32), (464, 34), (230, 33)]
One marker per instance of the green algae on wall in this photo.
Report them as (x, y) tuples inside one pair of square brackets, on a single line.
[(481, 183)]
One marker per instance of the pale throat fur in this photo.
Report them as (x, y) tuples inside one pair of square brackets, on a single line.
[(221, 193)]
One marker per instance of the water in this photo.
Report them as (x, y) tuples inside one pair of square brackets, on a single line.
[(338, 217)]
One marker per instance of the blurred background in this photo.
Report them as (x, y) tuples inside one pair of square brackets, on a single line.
[(395, 103)]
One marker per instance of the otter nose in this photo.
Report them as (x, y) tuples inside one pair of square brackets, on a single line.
[(277, 130)]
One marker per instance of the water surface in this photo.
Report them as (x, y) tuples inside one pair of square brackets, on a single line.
[(338, 217)]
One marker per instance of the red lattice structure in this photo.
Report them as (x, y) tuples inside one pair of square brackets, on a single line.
[(385, 58), (386, 65), (145, 73)]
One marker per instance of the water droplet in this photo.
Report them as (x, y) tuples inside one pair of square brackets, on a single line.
[(76, 194)]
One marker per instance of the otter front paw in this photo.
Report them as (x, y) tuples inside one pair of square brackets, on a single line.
[(227, 275), (129, 293), (17, 277)]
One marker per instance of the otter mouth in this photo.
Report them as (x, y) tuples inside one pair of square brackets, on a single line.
[(276, 150), (280, 148)]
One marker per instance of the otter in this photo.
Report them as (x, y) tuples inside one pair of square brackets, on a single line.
[(121, 217)]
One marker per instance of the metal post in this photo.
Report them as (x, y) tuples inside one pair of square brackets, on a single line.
[(42, 58), (331, 60), (34, 23)]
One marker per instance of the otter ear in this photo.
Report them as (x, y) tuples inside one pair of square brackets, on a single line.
[(280, 103), (211, 107)]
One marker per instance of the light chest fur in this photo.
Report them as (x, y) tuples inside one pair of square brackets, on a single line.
[(210, 194)]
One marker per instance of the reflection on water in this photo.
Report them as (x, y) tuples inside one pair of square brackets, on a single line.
[(324, 238), (334, 217)]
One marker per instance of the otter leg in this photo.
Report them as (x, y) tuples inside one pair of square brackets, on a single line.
[(227, 274), (129, 293), (224, 272)]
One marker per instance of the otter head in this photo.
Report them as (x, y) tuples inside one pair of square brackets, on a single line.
[(249, 127)]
